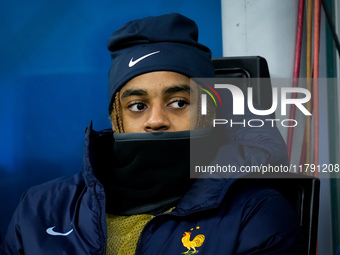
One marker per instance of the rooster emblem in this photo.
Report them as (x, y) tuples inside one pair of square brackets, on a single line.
[(196, 242)]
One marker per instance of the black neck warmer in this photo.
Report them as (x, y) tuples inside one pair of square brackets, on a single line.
[(148, 173)]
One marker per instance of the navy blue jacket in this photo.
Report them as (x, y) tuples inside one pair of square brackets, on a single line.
[(67, 216)]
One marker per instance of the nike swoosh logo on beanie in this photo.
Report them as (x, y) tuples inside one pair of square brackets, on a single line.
[(133, 62)]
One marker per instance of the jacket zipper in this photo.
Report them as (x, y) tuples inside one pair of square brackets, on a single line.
[(101, 231)]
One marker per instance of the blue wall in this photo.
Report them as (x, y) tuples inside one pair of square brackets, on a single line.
[(53, 74)]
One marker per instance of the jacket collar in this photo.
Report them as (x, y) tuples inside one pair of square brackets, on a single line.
[(92, 138), (206, 193)]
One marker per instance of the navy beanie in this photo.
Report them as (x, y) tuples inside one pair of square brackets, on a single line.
[(159, 43)]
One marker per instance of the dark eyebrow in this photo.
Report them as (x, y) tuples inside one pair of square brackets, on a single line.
[(177, 88), (133, 92)]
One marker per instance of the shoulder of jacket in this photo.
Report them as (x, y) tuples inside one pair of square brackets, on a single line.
[(56, 186), (252, 189)]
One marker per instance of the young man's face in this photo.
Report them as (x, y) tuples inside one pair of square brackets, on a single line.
[(158, 102)]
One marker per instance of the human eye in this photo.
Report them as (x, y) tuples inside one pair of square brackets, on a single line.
[(179, 104), (137, 107)]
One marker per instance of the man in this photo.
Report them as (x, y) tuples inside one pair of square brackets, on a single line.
[(135, 195)]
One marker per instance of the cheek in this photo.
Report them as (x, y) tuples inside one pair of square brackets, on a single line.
[(193, 113), (184, 122), (129, 124), (193, 118), (132, 125)]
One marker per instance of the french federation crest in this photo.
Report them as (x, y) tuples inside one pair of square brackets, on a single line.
[(191, 245)]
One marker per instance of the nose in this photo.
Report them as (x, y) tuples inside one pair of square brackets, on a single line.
[(157, 120)]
